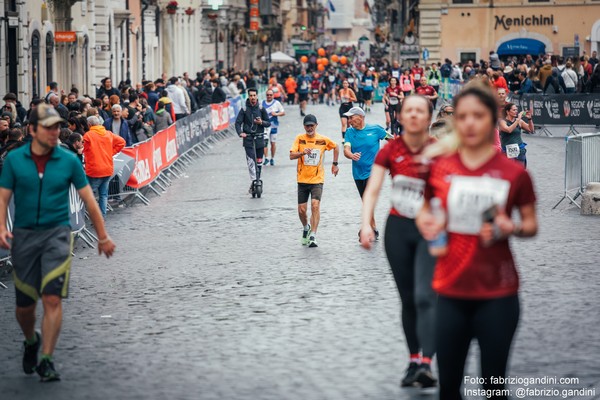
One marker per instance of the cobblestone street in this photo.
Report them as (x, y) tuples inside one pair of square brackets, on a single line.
[(211, 295)]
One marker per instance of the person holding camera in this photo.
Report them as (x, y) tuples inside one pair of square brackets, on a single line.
[(511, 128)]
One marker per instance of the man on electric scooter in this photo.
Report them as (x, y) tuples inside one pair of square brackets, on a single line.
[(250, 125)]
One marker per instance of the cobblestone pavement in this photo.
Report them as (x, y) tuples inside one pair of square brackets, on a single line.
[(211, 295)]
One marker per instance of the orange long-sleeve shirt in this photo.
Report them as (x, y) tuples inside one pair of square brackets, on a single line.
[(99, 147)]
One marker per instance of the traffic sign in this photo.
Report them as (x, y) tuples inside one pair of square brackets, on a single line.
[(425, 54)]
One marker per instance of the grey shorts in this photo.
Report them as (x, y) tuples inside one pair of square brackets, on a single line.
[(315, 191), (41, 263)]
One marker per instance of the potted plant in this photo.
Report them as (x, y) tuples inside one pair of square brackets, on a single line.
[(172, 7)]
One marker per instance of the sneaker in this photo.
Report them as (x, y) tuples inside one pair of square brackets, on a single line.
[(272, 161), (424, 376), (376, 234), (312, 241), (410, 376), (305, 236), (302, 114), (47, 372), (30, 354), (266, 161)]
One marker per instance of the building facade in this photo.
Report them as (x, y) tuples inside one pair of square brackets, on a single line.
[(464, 30)]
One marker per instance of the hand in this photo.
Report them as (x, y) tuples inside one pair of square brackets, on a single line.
[(258, 121), (367, 236), (307, 151), (519, 118), (428, 225), (356, 156), (243, 135), (335, 169), (528, 115), (108, 248), (5, 235), (502, 227)]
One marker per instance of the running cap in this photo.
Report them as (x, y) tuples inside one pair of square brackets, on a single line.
[(355, 111), (310, 120), (45, 116)]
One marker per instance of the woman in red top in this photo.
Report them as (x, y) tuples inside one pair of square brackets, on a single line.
[(428, 91), (498, 80), (411, 263), (392, 99), (476, 280)]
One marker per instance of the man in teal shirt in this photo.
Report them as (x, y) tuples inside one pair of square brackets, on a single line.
[(39, 175), (361, 146)]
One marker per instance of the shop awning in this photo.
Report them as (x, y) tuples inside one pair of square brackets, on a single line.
[(521, 47)]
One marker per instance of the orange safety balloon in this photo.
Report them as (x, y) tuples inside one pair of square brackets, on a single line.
[(321, 52), (325, 62), (304, 59), (321, 67), (344, 60), (319, 61), (335, 58)]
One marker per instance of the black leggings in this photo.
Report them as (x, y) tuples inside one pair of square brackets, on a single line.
[(412, 266), (492, 322)]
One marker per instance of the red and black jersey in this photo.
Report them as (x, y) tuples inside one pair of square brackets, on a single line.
[(471, 271), (409, 176)]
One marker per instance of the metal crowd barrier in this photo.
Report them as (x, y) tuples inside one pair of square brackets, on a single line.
[(582, 165)]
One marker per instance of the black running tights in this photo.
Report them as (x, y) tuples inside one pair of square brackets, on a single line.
[(492, 322), (413, 266)]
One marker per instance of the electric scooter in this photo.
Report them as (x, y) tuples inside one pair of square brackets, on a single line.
[(257, 184)]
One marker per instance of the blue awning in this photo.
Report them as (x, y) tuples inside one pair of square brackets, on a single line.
[(521, 47)]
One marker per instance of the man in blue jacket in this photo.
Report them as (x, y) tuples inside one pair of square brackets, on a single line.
[(118, 125)]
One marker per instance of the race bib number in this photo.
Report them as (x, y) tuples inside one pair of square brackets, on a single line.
[(313, 159), (469, 197), (368, 82), (407, 81), (304, 85), (275, 90), (332, 79), (407, 195), (345, 99), (350, 80), (393, 101), (513, 150), (396, 74), (417, 77)]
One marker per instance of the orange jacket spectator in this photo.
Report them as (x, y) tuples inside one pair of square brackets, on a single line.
[(99, 147), (290, 85)]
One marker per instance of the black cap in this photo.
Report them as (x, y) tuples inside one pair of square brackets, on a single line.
[(310, 120)]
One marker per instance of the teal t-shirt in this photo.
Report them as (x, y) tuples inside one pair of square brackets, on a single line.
[(366, 142), (42, 202)]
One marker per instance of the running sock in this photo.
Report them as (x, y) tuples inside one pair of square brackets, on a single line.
[(47, 357), (415, 358), (426, 360), (32, 340)]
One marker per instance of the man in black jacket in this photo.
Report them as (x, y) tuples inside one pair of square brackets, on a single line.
[(218, 94), (250, 125)]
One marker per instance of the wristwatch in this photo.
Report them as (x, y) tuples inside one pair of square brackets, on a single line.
[(335, 163)]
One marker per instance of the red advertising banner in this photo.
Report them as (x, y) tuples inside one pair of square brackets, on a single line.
[(152, 156), (220, 116)]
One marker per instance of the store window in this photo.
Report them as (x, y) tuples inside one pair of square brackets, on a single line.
[(35, 64), (466, 57)]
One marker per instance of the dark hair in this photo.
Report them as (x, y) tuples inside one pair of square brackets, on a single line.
[(164, 93), (173, 80), (160, 105), (53, 85), (64, 135), (15, 134), (252, 90), (484, 94), (133, 97), (75, 137), (397, 81), (429, 103), (507, 107)]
